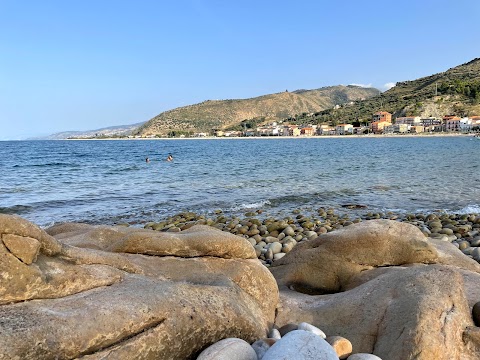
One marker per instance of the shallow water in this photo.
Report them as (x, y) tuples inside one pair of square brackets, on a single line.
[(110, 182)]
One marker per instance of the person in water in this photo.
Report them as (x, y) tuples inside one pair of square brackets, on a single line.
[(147, 160), (169, 157)]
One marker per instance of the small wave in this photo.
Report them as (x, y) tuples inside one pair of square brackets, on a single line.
[(382, 187), (469, 209), (251, 206), (16, 209), (50, 164)]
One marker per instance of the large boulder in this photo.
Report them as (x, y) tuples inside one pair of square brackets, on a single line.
[(121, 293), (385, 287), (326, 264), (412, 313)]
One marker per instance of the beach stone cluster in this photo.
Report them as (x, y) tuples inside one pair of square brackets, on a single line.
[(291, 341), (273, 238), (463, 231), (366, 289)]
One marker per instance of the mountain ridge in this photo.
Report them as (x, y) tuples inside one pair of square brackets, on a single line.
[(221, 114), (110, 131)]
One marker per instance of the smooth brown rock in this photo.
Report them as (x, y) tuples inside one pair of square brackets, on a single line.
[(97, 304), (199, 240), (417, 312), (26, 249), (342, 254)]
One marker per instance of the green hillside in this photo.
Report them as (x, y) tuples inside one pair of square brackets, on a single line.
[(455, 91), (223, 114)]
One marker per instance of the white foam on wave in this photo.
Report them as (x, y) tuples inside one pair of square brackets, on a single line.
[(469, 209), (250, 206)]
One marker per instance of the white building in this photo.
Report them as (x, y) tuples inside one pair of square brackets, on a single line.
[(344, 129), (408, 120)]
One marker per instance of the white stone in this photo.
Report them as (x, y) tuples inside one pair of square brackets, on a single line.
[(300, 345), (276, 247), (274, 334), (313, 329), (363, 356), (231, 349)]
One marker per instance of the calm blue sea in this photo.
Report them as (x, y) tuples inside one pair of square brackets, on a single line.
[(107, 182)]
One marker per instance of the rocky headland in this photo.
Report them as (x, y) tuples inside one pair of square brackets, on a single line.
[(309, 287)]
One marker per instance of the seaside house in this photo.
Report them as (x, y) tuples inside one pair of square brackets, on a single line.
[(431, 124), (219, 133), (465, 124), (397, 128), (475, 121), (325, 130), (291, 130), (233, 133), (452, 123), (344, 129), (378, 127), (408, 120), (382, 116), (360, 130), (307, 131), (417, 129)]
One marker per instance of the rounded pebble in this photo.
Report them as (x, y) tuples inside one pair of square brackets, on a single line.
[(300, 344), (313, 329), (230, 348), (476, 313), (261, 346), (363, 356), (274, 334), (342, 346), (285, 329)]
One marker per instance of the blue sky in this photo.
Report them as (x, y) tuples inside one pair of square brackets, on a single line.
[(83, 65)]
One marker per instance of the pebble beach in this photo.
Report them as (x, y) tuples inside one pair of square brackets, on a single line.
[(273, 237)]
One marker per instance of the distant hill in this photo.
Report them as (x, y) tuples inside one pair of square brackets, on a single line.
[(455, 91), (222, 114), (112, 131)]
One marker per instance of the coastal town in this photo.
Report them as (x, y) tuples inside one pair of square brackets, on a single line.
[(381, 123)]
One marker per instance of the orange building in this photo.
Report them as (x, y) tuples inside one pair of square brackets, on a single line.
[(382, 116), (377, 127), (307, 131)]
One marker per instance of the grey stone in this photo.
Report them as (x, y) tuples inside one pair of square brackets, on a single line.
[(363, 356), (276, 247), (274, 334), (231, 349), (313, 329), (261, 346), (289, 231), (301, 345)]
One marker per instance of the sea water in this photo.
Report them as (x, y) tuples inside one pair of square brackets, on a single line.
[(108, 182)]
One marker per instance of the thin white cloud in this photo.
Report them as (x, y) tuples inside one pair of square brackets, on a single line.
[(362, 85), (389, 85)]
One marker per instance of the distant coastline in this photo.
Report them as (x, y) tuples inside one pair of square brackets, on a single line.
[(380, 136)]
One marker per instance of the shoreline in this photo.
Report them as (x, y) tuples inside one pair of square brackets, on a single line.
[(377, 136)]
